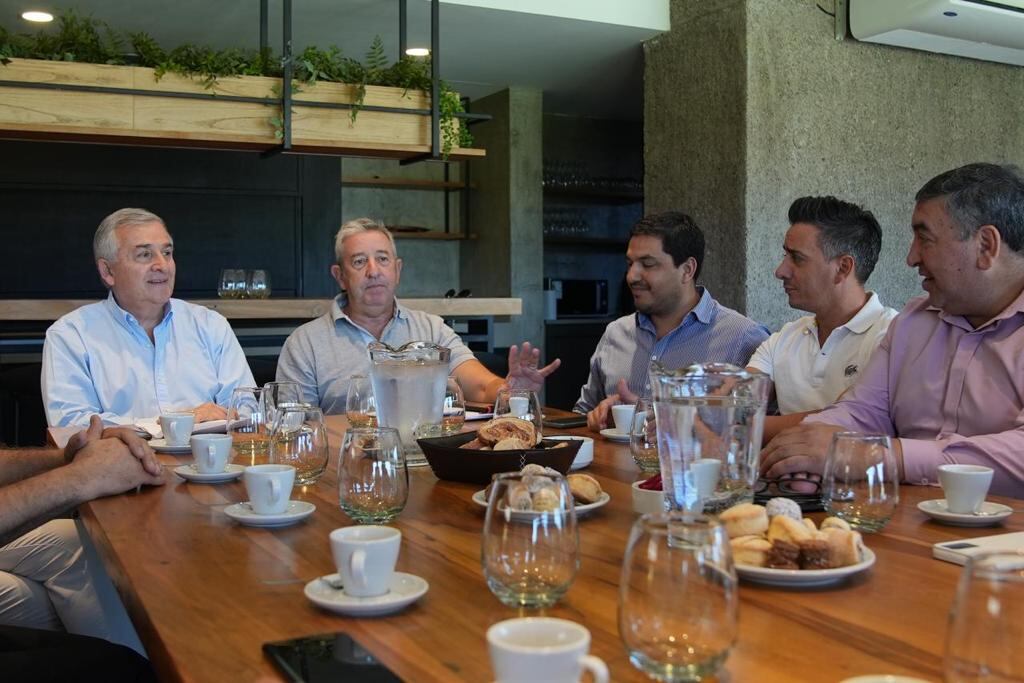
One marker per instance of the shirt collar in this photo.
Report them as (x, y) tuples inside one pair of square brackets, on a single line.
[(341, 301), (862, 321), (1016, 306), (704, 312), (129, 320)]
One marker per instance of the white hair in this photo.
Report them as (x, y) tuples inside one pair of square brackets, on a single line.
[(356, 226), (104, 242)]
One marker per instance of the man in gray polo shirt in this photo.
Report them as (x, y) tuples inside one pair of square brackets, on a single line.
[(324, 353)]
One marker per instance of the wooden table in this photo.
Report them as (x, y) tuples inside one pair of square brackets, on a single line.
[(205, 593)]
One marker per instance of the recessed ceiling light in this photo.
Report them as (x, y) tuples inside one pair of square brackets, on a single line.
[(417, 52), (41, 17)]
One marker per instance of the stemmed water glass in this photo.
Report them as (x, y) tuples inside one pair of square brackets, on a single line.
[(643, 438), (246, 423), (860, 482), (678, 597), (454, 408), (299, 439), (360, 407), (373, 478)]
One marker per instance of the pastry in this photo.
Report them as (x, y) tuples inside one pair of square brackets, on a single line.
[(474, 445), (534, 468), (493, 431), (585, 488), (783, 555), (511, 444), (744, 519), (783, 506), (844, 546), (814, 554), (536, 482), (750, 550), (547, 499), (809, 523), (517, 496), (787, 529), (835, 522)]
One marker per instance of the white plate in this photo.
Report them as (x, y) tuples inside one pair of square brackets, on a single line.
[(804, 578), (584, 456), (473, 415), (480, 498), (990, 513), (296, 510), (160, 446), (615, 435), (189, 473), (404, 590)]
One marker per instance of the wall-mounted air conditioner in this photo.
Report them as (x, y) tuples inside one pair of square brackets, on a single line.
[(992, 30)]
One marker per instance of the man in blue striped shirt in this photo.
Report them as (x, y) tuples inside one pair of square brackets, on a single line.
[(677, 323)]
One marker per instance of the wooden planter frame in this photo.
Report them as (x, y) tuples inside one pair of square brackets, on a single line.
[(128, 105)]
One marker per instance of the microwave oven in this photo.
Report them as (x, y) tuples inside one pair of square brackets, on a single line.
[(582, 298)]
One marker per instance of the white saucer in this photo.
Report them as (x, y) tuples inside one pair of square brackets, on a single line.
[(989, 514), (296, 510), (480, 498), (803, 578), (615, 435), (404, 590), (160, 446), (189, 473)]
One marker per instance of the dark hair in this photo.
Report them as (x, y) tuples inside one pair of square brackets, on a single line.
[(982, 194), (679, 234), (843, 228)]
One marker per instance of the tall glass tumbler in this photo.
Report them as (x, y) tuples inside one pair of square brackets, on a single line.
[(373, 478), (530, 549), (860, 483), (678, 597), (246, 423)]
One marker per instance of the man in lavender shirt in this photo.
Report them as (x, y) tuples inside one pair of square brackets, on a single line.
[(948, 379)]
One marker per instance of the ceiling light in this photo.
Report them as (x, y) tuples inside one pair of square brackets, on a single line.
[(418, 52), (41, 17)]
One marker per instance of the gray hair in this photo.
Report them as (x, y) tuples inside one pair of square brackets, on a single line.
[(356, 226), (104, 242), (982, 194)]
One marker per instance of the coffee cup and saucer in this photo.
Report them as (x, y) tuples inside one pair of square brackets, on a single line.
[(176, 429), (366, 584), (965, 487), (622, 417), (212, 453), (269, 505)]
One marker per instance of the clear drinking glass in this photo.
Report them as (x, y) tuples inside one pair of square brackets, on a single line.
[(454, 408), (643, 438), (250, 435), (986, 624), (860, 483), (522, 404), (373, 479), (299, 439), (530, 557), (360, 407), (257, 285), (278, 394), (225, 286), (678, 597)]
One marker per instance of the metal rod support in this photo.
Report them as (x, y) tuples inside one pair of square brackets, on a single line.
[(435, 78), (286, 81), (403, 28), (264, 27)]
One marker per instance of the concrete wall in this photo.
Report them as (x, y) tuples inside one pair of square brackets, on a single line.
[(812, 115)]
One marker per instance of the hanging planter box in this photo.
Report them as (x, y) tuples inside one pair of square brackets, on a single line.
[(210, 121)]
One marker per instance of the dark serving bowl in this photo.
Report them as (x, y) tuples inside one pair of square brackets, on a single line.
[(476, 467)]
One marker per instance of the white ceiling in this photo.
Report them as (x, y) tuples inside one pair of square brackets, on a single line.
[(587, 61)]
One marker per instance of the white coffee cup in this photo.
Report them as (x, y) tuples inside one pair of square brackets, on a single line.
[(532, 649), (212, 452), (177, 428), (622, 416), (365, 557), (965, 487), (269, 487), (706, 473), (519, 406)]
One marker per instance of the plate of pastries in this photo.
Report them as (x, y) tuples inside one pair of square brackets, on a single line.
[(775, 544), (533, 495), (504, 444)]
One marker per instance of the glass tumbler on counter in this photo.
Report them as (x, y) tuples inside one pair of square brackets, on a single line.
[(373, 478), (299, 439), (257, 285), (860, 483), (232, 284), (678, 597), (250, 435), (530, 556)]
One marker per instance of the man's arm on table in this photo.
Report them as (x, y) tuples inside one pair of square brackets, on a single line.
[(482, 386)]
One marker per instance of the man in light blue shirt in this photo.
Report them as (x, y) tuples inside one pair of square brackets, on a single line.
[(139, 353), (676, 324)]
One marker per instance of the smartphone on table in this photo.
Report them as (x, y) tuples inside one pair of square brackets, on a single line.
[(567, 422), (327, 657)]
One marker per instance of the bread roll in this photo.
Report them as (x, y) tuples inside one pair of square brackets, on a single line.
[(750, 550), (585, 488), (835, 523), (511, 444), (493, 431), (745, 519), (809, 523), (517, 496), (844, 546), (546, 499), (788, 529), (474, 445)]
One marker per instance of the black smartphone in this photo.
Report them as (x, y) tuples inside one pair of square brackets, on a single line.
[(566, 422), (327, 657)]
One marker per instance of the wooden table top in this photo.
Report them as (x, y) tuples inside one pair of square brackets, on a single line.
[(205, 593)]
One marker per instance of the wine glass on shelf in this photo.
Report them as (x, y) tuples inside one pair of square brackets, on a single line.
[(257, 284), (454, 408), (246, 423), (521, 404), (360, 406), (299, 439), (231, 284)]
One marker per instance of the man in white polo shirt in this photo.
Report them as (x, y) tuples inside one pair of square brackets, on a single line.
[(830, 250)]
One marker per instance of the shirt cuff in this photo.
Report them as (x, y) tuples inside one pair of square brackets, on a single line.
[(921, 457)]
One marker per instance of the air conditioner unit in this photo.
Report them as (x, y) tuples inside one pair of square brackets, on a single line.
[(992, 30)]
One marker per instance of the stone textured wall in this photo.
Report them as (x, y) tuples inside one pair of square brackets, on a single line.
[(868, 123)]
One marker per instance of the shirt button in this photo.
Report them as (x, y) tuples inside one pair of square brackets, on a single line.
[(924, 481), (654, 358)]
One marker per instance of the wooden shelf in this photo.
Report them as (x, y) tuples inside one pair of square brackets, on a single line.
[(597, 195), (587, 242), (404, 183)]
